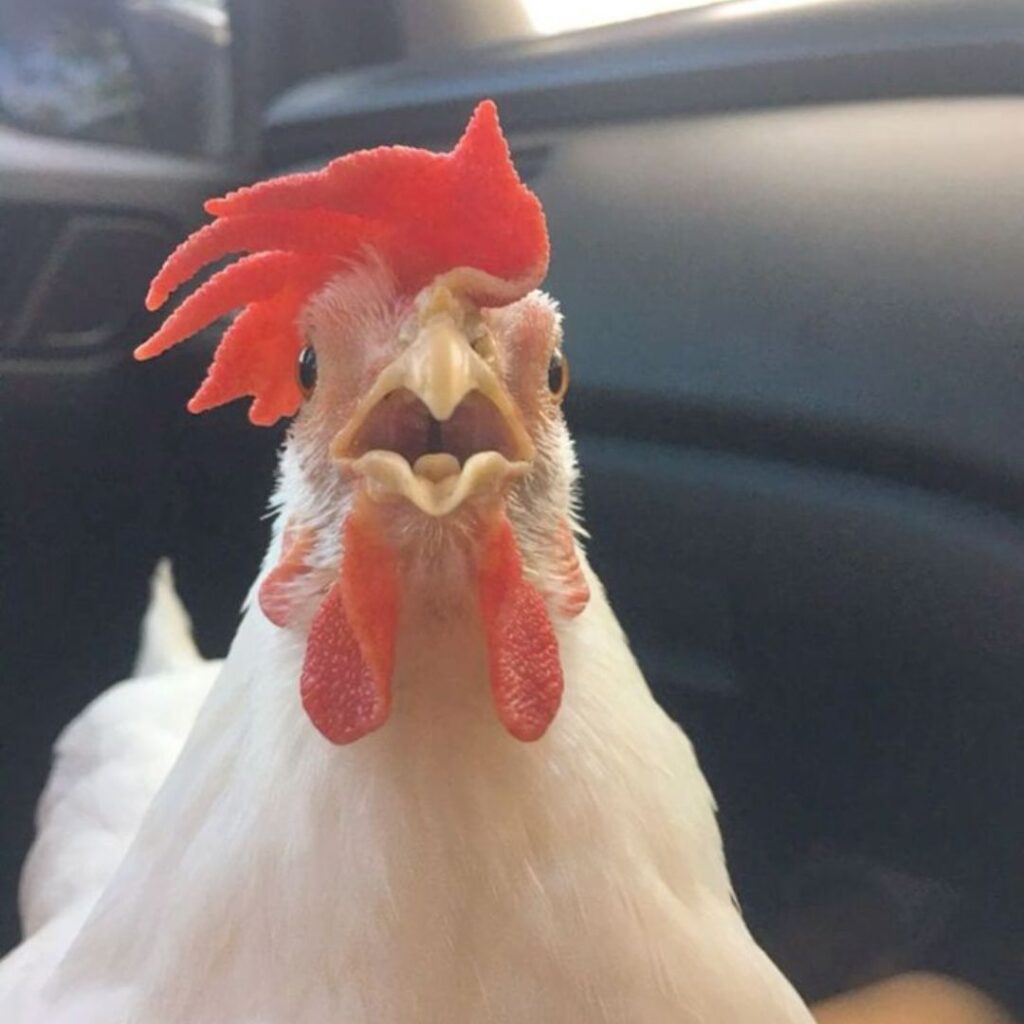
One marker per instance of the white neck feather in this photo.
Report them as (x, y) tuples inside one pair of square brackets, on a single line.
[(428, 873)]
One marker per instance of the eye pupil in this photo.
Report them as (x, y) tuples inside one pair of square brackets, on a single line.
[(307, 370), (558, 374)]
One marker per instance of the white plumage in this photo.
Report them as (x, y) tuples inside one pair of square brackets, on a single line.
[(108, 764), (434, 872)]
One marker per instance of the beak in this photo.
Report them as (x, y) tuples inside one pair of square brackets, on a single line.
[(441, 368), (437, 427)]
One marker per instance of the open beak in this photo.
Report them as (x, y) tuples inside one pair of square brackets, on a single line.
[(437, 427)]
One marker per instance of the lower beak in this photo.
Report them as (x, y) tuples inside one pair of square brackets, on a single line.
[(438, 427)]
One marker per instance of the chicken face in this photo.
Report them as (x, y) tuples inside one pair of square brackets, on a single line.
[(441, 407), (437, 426), (390, 306)]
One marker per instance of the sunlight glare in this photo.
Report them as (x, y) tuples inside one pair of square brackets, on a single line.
[(552, 16)]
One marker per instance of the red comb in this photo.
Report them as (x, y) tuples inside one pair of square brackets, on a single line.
[(424, 213)]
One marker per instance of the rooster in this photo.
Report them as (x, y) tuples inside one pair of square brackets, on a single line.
[(429, 784)]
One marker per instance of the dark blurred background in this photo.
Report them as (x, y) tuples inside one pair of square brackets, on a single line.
[(788, 237)]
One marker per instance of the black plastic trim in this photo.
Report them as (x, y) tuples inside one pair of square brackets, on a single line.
[(732, 55), (85, 175), (866, 449)]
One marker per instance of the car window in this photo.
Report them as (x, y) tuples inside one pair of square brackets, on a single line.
[(105, 71), (65, 70)]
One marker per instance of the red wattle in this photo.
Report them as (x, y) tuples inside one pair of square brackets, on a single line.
[(525, 670), (350, 651)]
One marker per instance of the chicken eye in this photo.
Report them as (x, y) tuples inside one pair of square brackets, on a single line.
[(558, 374), (306, 370)]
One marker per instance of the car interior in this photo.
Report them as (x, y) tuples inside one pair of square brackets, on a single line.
[(788, 238)]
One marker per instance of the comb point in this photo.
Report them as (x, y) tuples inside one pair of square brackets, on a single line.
[(483, 132)]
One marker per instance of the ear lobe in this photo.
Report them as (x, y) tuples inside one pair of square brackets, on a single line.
[(279, 591), (570, 592)]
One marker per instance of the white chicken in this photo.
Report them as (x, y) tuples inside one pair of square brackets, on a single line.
[(429, 785)]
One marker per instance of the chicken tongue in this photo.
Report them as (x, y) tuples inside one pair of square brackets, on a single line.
[(350, 651), (525, 669)]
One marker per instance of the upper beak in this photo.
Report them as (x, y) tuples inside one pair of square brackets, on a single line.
[(441, 369)]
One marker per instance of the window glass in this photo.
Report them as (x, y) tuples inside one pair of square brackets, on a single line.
[(65, 70), (152, 73)]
